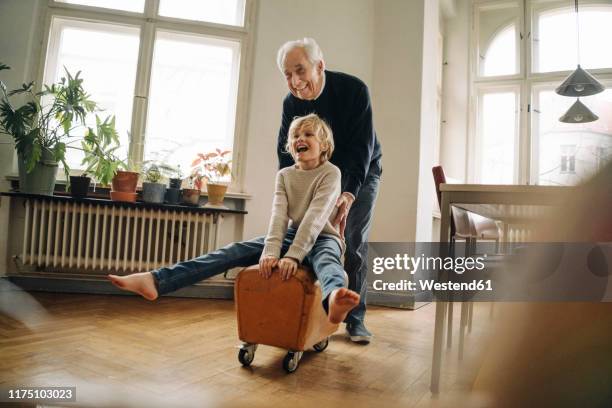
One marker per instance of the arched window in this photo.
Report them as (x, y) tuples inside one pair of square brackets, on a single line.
[(500, 56)]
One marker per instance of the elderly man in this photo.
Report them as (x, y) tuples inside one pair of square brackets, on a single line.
[(344, 102)]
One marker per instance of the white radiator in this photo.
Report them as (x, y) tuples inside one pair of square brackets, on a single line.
[(84, 236)]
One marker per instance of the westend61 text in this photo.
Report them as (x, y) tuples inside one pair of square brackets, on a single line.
[(431, 284)]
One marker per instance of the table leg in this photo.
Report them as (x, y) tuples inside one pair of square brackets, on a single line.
[(441, 306)]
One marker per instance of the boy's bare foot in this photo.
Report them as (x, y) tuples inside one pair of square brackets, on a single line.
[(341, 301), (142, 283)]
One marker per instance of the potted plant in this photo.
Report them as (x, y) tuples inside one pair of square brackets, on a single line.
[(100, 158), (191, 194), (173, 192), (152, 190), (214, 168), (44, 127), (99, 145)]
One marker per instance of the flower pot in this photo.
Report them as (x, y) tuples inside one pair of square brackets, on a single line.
[(173, 195), (41, 180), (79, 186), (123, 196), (153, 192), (191, 196), (125, 181), (216, 194), (176, 183)]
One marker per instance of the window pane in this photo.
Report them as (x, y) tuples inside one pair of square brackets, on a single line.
[(497, 142), (192, 104), (127, 5), (498, 39), (229, 12), (107, 57), (567, 154), (555, 41)]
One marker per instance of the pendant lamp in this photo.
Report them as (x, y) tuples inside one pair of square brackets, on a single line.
[(578, 113), (579, 83)]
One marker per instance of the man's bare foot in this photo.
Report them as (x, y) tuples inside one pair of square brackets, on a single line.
[(341, 301), (142, 283)]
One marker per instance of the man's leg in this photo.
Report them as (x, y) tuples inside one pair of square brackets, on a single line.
[(324, 258), (358, 225)]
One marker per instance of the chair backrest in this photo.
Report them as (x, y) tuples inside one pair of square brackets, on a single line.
[(439, 178), (460, 225)]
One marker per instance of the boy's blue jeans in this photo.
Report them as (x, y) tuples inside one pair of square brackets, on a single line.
[(323, 258)]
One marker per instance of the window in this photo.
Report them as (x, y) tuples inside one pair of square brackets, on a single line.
[(108, 69), (497, 138), (516, 136), (215, 11), (126, 5), (497, 38), (171, 78), (566, 154), (568, 159), (555, 41), (198, 76)]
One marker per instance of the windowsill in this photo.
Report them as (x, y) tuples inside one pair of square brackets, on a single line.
[(13, 178)]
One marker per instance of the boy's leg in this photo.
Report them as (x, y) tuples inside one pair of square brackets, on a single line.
[(169, 279), (324, 258)]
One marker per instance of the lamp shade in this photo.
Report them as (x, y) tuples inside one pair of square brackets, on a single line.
[(580, 83), (578, 113)]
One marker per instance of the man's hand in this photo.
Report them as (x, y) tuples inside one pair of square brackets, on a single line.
[(288, 267), (344, 203), (266, 264)]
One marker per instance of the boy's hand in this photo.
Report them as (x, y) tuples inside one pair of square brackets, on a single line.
[(288, 267), (266, 264)]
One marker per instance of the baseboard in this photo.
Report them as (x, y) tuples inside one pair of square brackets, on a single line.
[(218, 289), (409, 301)]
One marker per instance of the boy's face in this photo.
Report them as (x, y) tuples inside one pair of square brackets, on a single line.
[(303, 78), (306, 147)]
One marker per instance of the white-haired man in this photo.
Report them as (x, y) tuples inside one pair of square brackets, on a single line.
[(344, 102)]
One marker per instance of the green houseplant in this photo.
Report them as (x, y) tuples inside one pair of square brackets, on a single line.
[(153, 191), (100, 159), (45, 126), (215, 169)]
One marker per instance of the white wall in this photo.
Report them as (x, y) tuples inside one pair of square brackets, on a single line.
[(455, 110), (397, 101), (344, 29), (429, 121)]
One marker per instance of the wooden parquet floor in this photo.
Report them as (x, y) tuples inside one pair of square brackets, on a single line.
[(126, 351)]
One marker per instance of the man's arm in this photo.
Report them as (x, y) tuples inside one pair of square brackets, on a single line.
[(278, 220), (284, 158), (361, 146), (321, 206)]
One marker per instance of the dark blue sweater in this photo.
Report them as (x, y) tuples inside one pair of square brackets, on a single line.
[(345, 105)]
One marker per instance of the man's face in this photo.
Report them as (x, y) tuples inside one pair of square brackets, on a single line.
[(303, 78)]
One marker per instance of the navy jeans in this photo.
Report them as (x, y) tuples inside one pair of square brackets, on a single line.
[(323, 258), (356, 234)]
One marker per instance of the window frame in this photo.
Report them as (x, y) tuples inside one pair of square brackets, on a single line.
[(149, 23), (528, 80)]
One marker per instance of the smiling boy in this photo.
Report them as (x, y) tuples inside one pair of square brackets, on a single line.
[(305, 195)]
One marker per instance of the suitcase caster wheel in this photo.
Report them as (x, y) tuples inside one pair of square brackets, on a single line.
[(246, 355), (291, 361), (322, 345)]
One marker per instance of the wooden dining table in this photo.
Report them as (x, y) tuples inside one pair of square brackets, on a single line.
[(510, 204)]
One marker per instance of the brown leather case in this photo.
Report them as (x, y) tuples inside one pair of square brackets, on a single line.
[(286, 314)]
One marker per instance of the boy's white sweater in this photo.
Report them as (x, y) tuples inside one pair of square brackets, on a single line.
[(307, 198)]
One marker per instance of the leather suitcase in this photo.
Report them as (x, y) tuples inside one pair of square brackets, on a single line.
[(286, 314)]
